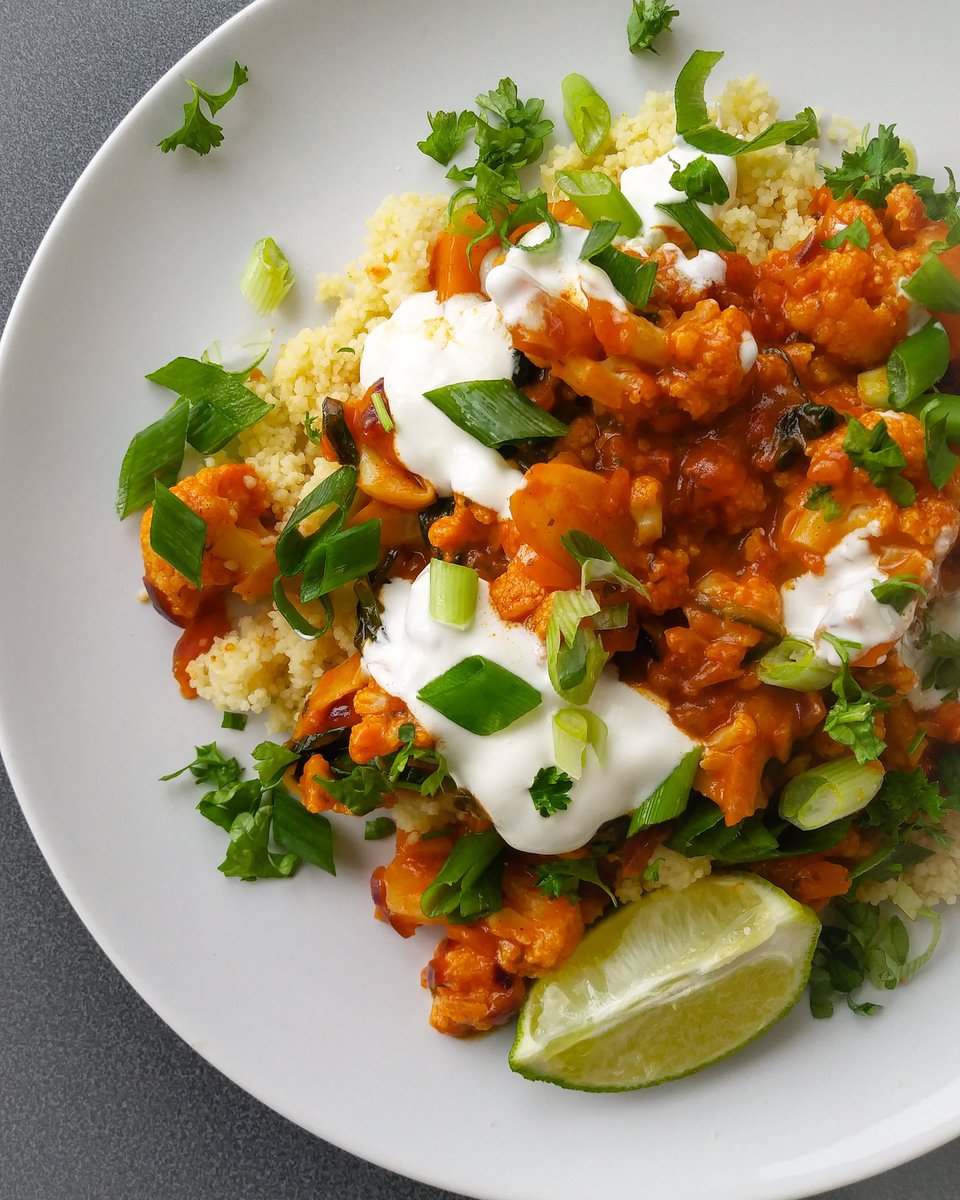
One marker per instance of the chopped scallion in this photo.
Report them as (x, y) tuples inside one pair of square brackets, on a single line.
[(574, 662), (177, 533), (934, 286), (917, 364), (670, 798), (830, 791), (221, 405), (335, 493), (234, 720), (480, 696), (599, 198), (600, 236), (453, 593), (377, 828), (698, 227), (154, 453), (383, 413), (295, 618), (856, 233), (794, 664), (575, 730), (586, 112), (632, 276), (339, 558), (467, 886), (597, 562), (266, 279), (495, 412)]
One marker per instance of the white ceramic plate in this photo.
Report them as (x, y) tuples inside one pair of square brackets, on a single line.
[(291, 989)]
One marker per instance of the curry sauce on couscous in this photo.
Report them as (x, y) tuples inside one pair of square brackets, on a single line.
[(603, 540)]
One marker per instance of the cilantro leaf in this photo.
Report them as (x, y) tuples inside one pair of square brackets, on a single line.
[(810, 127), (851, 720), (222, 805), (563, 877), (822, 499), (701, 180), (869, 172), (209, 766), (898, 591), (272, 760), (876, 452), (448, 131), (549, 791), (248, 854), (647, 20), (908, 802), (306, 835), (197, 132), (856, 233)]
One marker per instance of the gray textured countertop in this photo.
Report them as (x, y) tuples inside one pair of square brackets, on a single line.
[(97, 1097)]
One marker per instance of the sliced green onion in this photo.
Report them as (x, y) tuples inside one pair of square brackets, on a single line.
[(830, 791), (941, 460), (453, 593), (670, 798), (698, 227), (495, 412), (336, 492), (221, 405), (569, 608), (575, 655), (615, 617), (631, 276), (934, 286), (599, 238), (234, 720), (575, 730), (339, 558), (480, 696), (377, 828), (889, 861), (937, 406), (295, 618), (177, 533), (597, 562), (697, 130), (369, 609), (265, 281), (794, 664), (599, 198), (383, 413), (913, 966), (306, 834), (154, 453), (856, 233), (533, 210), (586, 112), (917, 364), (467, 886)]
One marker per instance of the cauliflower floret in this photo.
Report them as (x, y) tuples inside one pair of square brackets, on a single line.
[(708, 362), (239, 554)]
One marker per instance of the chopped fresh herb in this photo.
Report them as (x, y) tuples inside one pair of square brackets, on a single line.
[(630, 275), (798, 426), (575, 731), (651, 872), (869, 172), (586, 112), (314, 434), (338, 558), (369, 609), (248, 854), (272, 761), (856, 233), (307, 835), (383, 413), (701, 181), (821, 499), (647, 20), (448, 130), (223, 804), (467, 886), (333, 495), (670, 797), (177, 534), (453, 593), (221, 405), (898, 591), (599, 238), (944, 671), (697, 130), (549, 791), (365, 788), (690, 217), (234, 720), (295, 618), (495, 412), (599, 199), (889, 861), (198, 132), (940, 459), (266, 278), (564, 876), (908, 803), (480, 696), (377, 828), (876, 452), (934, 285), (209, 767), (597, 562), (851, 720), (794, 664), (575, 655), (916, 364), (154, 453)]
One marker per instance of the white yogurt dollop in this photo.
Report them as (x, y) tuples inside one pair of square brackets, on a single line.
[(643, 746), (648, 185), (427, 344), (840, 601), (519, 284)]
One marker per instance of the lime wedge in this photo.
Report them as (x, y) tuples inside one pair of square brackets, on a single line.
[(668, 985)]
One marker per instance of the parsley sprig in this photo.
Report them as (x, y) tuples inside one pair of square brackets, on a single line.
[(647, 20), (876, 452), (564, 876), (198, 132), (852, 719), (549, 791)]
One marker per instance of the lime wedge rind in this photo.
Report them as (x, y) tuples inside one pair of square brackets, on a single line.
[(668, 986)]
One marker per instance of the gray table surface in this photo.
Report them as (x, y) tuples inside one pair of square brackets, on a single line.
[(98, 1098)]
